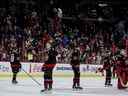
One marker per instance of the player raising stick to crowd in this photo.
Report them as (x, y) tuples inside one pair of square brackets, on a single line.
[(47, 68)]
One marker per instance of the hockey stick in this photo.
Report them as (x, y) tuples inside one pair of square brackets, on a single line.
[(31, 77)]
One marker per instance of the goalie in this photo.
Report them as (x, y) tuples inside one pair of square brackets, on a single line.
[(122, 70)]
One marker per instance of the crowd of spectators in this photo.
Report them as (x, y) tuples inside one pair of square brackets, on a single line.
[(33, 34)]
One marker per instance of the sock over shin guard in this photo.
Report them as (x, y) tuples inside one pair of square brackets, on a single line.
[(45, 84), (76, 82), (48, 84)]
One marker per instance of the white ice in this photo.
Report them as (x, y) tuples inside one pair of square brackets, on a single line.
[(62, 87)]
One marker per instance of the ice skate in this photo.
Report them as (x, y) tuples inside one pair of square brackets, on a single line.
[(79, 88), (44, 90), (49, 89), (109, 84), (14, 82), (74, 88), (106, 85)]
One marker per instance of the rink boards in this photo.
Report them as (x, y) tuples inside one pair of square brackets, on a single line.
[(61, 70)]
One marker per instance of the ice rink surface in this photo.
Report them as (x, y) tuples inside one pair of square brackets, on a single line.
[(62, 87)]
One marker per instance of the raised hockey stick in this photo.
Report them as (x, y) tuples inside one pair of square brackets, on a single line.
[(31, 77)]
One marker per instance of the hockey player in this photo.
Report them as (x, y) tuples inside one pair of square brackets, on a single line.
[(122, 71), (48, 67), (75, 63), (107, 66), (15, 64)]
